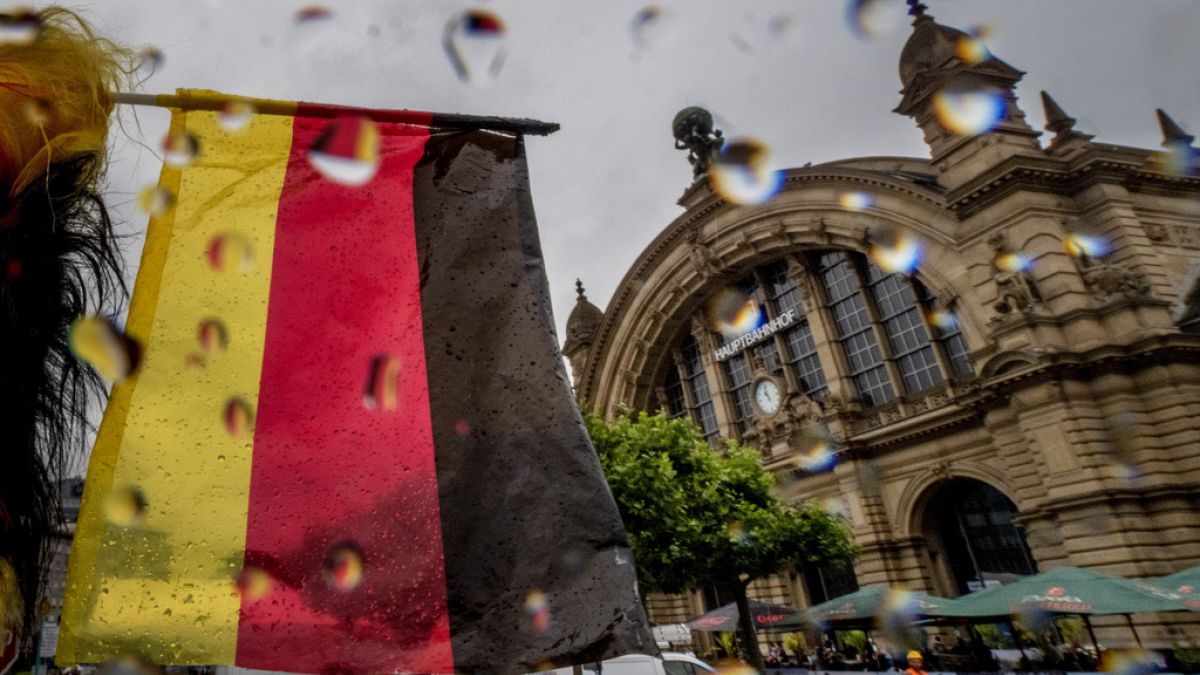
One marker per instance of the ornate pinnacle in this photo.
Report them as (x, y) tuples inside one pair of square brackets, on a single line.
[(1173, 134), (916, 9), (579, 290), (1057, 120)]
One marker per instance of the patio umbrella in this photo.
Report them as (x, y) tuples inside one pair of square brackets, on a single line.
[(1066, 590), (1185, 583), (725, 618), (866, 604)]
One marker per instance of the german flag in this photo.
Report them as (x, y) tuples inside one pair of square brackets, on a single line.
[(351, 445)]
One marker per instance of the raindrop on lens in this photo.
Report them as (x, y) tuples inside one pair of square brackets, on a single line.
[(230, 252), (155, 200), (313, 13), (382, 387), (180, 148), (462, 427), (148, 61), (740, 173), (896, 252), (38, 112), (733, 313), (896, 617), (347, 151), (645, 24), (538, 609), (968, 112), (235, 115), (1015, 262), (871, 18), (99, 343), (944, 319), (474, 44), (254, 583), (835, 506), (125, 506), (855, 201), (1085, 246), (213, 336), (970, 47), (814, 452), (128, 664), (1130, 662), (238, 418), (21, 26), (343, 567), (1179, 159)]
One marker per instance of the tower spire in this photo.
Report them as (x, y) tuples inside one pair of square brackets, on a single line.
[(579, 290), (916, 9), (1173, 134), (1057, 120)]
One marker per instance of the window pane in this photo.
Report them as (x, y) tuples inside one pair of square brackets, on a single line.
[(702, 410), (738, 373), (853, 325), (950, 336), (676, 406), (801, 350), (905, 329)]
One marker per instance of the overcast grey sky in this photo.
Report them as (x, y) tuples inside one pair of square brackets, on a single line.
[(607, 183)]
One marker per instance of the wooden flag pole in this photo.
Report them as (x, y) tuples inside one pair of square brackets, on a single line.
[(268, 107)]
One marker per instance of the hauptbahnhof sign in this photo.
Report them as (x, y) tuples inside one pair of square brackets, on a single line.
[(736, 345)]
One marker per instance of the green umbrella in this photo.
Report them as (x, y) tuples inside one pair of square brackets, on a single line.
[(866, 605), (1185, 583), (1067, 590)]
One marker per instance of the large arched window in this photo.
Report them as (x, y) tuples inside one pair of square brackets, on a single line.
[(880, 322)]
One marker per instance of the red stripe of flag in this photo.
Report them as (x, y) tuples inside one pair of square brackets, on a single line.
[(331, 478)]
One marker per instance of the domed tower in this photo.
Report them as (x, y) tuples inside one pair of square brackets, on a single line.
[(582, 326), (962, 97)]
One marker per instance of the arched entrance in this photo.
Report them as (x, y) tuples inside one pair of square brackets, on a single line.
[(969, 528)]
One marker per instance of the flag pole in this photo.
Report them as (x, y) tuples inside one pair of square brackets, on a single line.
[(268, 107)]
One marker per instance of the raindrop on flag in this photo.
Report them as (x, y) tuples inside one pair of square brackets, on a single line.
[(741, 173), (180, 148), (343, 567), (382, 387), (213, 336), (154, 200), (235, 115), (238, 418), (474, 43), (230, 252), (254, 583), (99, 343), (125, 506), (347, 151), (19, 26)]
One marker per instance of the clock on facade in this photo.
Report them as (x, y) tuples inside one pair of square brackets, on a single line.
[(767, 396)]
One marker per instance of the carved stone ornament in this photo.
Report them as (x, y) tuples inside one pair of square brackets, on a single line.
[(1156, 232), (707, 264), (1112, 280), (1016, 290)]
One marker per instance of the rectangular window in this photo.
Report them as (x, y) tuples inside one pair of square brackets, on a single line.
[(801, 350), (905, 329), (676, 405), (951, 337), (737, 370), (703, 411), (853, 323)]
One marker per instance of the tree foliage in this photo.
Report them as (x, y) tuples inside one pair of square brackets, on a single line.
[(698, 517)]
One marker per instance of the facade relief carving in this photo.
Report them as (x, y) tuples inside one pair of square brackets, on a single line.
[(1016, 290), (707, 264)]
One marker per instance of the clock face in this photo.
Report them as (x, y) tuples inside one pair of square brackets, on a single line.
[(767, 396)]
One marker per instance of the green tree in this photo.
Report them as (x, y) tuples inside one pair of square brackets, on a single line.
[(697, 517)]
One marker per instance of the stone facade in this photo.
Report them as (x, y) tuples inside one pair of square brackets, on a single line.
[(1083, 407)]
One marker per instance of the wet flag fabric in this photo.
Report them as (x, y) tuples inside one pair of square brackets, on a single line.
[(350, 445)]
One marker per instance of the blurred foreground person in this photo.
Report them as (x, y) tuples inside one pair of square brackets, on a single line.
[(58, 262), (916, 664)]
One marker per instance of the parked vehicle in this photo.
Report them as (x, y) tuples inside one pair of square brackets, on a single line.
[(671, 663)]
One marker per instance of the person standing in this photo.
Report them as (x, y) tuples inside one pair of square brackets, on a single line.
[(916, 664)]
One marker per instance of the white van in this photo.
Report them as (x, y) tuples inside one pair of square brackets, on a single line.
[(671, 663)]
